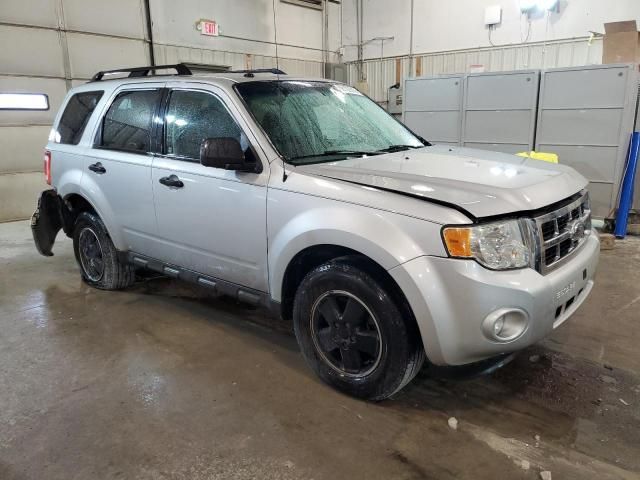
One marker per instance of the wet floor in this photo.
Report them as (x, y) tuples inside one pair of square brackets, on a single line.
[(162, 382)]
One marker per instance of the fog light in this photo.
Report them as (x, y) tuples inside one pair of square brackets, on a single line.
[(505, 324)]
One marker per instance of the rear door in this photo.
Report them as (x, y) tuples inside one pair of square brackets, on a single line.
[(118, 169), (215, 222)]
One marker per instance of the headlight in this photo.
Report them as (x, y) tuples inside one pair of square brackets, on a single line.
[(498, 245)]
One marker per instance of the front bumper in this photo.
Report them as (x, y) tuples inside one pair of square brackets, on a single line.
[(450, 299)]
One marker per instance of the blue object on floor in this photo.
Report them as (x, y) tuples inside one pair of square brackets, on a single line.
[(626, 194)]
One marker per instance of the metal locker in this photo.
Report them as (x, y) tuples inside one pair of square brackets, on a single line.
[(432, 107), (500, 109), (586, 116)]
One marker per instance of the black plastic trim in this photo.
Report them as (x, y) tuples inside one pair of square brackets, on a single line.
[(180, 68), (216, 285)]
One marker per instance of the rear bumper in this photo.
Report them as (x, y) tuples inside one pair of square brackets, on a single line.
[(451, 298), (47, 221)]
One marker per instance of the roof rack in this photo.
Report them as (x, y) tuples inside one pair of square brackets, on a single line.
[(180, 68), (249, 73)]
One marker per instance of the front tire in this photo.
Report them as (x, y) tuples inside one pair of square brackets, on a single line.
[(353, 334), (97, 256)]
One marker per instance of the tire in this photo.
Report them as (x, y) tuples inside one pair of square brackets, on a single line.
[(367, 310), (97, 257)]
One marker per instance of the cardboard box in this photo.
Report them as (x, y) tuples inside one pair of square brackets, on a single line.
[(621, 42)]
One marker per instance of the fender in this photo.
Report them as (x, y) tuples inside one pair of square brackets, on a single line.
[(386, 238)]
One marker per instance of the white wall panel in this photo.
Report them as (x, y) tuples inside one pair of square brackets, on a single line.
[(90, 53), (114, 17), (32, 12), (22, 148), (30, 51), (19, 193), (53, 87), (246, 26), (440, 26)]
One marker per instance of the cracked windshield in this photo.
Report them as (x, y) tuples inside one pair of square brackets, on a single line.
[(313, 122)]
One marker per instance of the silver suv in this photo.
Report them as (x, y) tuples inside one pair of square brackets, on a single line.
[(305, 196)]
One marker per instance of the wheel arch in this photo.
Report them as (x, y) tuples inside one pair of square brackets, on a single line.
[(315, 255), (77, 203)]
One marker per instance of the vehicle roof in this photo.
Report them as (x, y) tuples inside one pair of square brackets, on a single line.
[(218, 78)]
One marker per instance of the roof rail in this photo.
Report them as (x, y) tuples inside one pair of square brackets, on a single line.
[(180, 68), (249, 73)]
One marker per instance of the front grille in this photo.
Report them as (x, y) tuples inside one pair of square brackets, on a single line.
[(562, 232)]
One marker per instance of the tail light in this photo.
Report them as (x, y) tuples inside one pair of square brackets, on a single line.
[(47, 166)]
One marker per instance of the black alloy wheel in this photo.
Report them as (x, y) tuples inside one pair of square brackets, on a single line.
[(346, 333), (91, 255)]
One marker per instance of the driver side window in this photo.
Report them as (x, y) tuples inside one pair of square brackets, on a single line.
[(193, 117)]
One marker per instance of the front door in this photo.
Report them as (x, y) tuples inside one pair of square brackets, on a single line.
[(210, 220)]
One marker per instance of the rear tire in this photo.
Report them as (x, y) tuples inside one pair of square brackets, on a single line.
[(353, 334), (97, 256)]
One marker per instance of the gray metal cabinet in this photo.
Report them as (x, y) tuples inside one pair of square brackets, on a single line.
[(586, 116), (432, 107), (500, 110)]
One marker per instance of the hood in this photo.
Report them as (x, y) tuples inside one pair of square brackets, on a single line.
[(480, 182)]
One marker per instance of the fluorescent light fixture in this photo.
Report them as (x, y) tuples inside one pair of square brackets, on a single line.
[(24, 101)]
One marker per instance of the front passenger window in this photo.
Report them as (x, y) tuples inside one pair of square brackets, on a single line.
[(193, 117), (127, 124)]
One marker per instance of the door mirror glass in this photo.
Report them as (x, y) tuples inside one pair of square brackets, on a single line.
[(225, 153)]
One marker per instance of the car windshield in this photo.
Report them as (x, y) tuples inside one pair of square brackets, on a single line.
[(312, 122)]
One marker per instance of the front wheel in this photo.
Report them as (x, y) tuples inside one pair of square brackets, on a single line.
[(353, 334), (97, 256)]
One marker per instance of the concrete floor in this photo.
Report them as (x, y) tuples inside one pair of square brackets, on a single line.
[(162, 382)]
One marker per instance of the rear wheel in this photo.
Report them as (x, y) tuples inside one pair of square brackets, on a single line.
[(97, 257), (353, 334)]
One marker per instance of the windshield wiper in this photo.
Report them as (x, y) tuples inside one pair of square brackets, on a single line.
[(330, 153), (396, 148)]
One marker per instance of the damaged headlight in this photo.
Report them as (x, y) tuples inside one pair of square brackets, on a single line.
[(498, 245)]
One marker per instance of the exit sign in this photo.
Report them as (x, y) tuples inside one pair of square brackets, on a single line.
[(209, 27)]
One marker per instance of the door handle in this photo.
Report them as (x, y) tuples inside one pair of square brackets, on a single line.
[(97, 168), (172, 181)]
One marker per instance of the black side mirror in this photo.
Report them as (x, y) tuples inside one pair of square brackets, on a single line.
[(226, 153)]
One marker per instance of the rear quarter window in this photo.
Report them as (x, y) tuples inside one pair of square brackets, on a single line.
[(76, 115)]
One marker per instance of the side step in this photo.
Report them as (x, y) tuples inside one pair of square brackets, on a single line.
[(216, 285)]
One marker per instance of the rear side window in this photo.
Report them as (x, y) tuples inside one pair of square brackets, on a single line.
[(76, 115), (127, 124)]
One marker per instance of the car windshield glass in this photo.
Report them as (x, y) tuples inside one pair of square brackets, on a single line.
[(312, 122)]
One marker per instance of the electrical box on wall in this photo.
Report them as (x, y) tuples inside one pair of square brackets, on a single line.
[(493, 15)]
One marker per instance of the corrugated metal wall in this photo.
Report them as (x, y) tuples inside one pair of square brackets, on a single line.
[(381, 74), (50, 45)]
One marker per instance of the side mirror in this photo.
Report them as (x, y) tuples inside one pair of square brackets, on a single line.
[(226, 153)]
